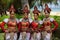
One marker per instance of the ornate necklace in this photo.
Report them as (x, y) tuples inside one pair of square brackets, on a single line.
[(25, 20), (13, 20)]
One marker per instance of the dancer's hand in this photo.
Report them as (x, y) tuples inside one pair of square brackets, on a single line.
[(6, 31), (52, 29)]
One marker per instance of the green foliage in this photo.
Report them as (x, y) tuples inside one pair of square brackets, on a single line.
[(17, 4), (1, 36), (31, 3), (57, 18), (48, 1), (6, 3), (19, 16), (3, 17), (41, 17)]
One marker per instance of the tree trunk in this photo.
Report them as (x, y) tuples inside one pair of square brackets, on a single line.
[(42, 8), (24, 2)]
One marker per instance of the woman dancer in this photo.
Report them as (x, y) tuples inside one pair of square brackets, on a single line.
[(24, 25), (11, 22), (36, 28), (47, 24)]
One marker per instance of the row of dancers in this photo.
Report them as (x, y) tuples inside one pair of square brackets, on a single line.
[(27, 29)]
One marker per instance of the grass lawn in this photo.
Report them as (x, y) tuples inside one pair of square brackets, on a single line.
[(1, 36)]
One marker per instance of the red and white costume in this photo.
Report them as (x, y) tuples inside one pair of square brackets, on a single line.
[(47, 25), (11, 27), (47, 29), (36, 30), (24, 29)]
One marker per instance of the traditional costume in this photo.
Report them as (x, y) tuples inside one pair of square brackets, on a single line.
[(24, 26), (11, 23), (24, 29), (47, 26), (36, 28), (47, 34)]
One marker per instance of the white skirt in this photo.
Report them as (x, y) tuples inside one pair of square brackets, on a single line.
[(36, 36), (9, 36), (24, 36), (46, 36)]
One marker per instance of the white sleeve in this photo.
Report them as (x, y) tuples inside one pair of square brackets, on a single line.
[(40, 22), (44, 19), (17, 20), (20, 19), (30, 20), (51, 19), (5, 20)]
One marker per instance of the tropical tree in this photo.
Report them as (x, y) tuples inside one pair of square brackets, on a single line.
[(42, 2), (6, 3), (21, 3), (30, 3)]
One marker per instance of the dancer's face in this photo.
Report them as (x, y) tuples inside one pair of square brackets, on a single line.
[(35, 8), (26, 8), (47, 15), (25, 15), (35, 16), (12, 15), (46, 6)]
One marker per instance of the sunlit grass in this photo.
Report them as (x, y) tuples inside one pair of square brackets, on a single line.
[(1, 36)]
